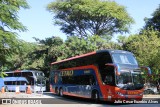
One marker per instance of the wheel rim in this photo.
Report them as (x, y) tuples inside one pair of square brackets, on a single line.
[(61, 92), (56, 90), (95, 96)]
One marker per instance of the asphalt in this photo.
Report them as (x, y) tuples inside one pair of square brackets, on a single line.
[(46, 95), (57, 99), (151, 96), (20, 95)]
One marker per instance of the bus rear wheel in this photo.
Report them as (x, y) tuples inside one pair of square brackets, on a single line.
[(61, 92), (95, 96), (6, 89)]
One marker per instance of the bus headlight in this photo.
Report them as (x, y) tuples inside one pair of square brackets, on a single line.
[(120, 94), (141, 94)]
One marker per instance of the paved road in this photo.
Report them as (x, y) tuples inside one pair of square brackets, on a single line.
[(51, 100)]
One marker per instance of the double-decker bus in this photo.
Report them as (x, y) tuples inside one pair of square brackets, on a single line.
[(106, 75), (12, 82), (23, 78)]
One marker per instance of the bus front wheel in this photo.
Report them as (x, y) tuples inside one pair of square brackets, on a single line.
[(56, 90), (95, 96)]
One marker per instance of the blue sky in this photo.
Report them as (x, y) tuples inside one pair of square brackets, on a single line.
[(39, 21)]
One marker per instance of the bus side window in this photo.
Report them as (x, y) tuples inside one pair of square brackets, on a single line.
[(17, 74), (92, 80), (108, 79), (52, 81), (18, 83), (5, 82)]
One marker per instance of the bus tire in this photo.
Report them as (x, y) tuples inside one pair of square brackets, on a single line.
[(95, 96), (61, 92), (6, 89), (56, 90)]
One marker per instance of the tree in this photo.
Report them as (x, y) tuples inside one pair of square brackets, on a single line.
[(46, 51), (154, 21), (20, 59), (90, 17), (8, 24), (76, 46)]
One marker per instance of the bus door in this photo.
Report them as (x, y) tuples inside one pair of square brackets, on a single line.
[(109, 81)]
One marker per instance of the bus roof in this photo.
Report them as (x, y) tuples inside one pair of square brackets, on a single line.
[(91, 53), (112, 51), (14, 79), (22, 71)]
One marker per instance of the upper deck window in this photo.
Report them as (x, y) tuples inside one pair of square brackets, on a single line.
[(39, 74), (124, 58)]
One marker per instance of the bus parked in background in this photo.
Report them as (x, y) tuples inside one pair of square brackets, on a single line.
[(1, 84), (105, 75), (21, 78), (12, 82)]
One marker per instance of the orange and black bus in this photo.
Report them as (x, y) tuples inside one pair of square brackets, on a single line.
[(101, 75)]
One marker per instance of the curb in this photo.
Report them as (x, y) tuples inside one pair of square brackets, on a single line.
[(151, 96), (20, 95)]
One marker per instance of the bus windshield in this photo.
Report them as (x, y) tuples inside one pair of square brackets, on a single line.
[(130, 81), (123, 58), (40, 82)]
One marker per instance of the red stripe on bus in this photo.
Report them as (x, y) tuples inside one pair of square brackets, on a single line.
[(75, 95), (51, 89), (81, 67), (16, 71), (91, 53)]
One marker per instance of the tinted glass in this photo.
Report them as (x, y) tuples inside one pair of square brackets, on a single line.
[(122, 58), (130, 81), (79, 80)]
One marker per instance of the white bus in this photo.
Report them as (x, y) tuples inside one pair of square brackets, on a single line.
[(12, 82), (1, 83), (21, 78)]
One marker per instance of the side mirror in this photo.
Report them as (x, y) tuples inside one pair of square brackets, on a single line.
[(116, 67), (147, 69)]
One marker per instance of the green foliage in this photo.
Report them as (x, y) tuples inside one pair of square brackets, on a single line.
[(9, 10), (154, 21), (8, 23), (19, 60), (2, 73), (90, 17), (77, 46), (7, 46), (43, 54)]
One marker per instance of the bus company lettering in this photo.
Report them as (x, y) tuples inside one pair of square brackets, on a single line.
[(87, 71), (132, 93), (67, 73)]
